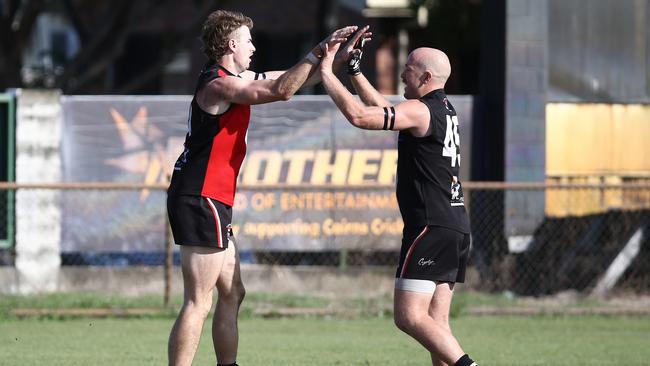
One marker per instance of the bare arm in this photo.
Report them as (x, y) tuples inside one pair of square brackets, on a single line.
[(313, 79), (339, 61), (252, 75), (368, 94), (344, 52), (243, 91), (411, 115), (229, 89), (217, 95)]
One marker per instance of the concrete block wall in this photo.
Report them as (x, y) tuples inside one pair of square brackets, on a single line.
[(38, 212), (526, 91)]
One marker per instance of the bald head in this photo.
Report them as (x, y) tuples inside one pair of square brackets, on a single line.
[(426, 70), (434, 61)]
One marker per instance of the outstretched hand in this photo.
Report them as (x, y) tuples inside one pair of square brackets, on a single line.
[(338, 36), (354, 45), (328, 57)]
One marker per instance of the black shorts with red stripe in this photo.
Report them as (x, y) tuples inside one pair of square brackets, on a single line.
[(199, 221), (433, 253)]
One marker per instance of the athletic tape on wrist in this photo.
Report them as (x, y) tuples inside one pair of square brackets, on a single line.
[(354, 65), (312, 58), (354, 61)]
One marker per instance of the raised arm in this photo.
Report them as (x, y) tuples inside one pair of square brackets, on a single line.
[(411, 115), (368, 94), (342, 56), (246, 91), (252, 75)]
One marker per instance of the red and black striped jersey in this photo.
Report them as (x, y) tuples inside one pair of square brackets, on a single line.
[(215, 146)]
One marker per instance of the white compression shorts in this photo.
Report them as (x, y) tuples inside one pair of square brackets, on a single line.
[(423, 286)]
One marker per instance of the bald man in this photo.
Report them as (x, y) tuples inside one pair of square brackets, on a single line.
[(435, 243)]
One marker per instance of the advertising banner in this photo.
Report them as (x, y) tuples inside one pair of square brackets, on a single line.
[(310, 181)]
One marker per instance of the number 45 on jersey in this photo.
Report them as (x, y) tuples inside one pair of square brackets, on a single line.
[(451, 146)]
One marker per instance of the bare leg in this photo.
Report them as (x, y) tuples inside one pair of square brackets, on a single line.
[(201, 267), (412, 317), (225, 335), (439, 311)]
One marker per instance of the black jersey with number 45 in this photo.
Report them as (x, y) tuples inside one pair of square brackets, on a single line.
[(429, 191)]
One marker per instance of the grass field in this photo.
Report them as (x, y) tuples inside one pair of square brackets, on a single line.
[(545, 340), (366, 339)]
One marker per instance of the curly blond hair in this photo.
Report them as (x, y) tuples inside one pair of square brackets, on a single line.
[(217, 30)]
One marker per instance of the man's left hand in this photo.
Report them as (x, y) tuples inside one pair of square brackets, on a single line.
[(361, 36)]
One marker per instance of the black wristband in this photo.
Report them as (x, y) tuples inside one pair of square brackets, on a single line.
[(354, 61), (354, 64)]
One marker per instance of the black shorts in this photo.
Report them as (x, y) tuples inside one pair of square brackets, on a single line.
[(433, 253), (201, 221)]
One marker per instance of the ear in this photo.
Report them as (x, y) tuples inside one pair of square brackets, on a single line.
[(232, 44), (426, 77)]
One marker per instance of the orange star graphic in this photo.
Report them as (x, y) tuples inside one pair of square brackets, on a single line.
[(138, 136)]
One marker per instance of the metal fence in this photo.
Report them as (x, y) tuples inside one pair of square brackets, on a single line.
[(592, 238), (589, 238)]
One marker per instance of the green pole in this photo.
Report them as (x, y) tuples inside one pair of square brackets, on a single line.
[(8, 99), (343, 260), (11, 171)]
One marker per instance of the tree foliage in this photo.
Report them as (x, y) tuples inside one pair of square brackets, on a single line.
[(102, 29)]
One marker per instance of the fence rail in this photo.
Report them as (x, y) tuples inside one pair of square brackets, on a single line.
[(466, 185)]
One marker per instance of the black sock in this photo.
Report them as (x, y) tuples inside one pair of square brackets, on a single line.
[(465, 361), (230, 364)]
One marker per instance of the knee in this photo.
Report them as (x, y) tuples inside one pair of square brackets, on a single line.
[(406, 322), (240, 294), (234, 296), (199, 307), (443, 322)]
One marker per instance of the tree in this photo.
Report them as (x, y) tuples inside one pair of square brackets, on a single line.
[(102, 28), (17, 20)]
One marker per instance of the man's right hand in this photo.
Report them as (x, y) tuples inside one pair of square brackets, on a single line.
[(338, 36)]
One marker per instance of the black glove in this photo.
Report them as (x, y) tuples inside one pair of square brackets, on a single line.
[(354, 61)]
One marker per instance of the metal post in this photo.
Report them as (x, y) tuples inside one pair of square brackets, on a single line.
[(169, 262), (343, 260), (11, 171), (10, 156)]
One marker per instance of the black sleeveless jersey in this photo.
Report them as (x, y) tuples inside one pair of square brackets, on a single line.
[(215, 146), (429, 191)]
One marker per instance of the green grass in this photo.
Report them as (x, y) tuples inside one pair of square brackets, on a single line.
[(257, 304), (497, 341), (363, 334)]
